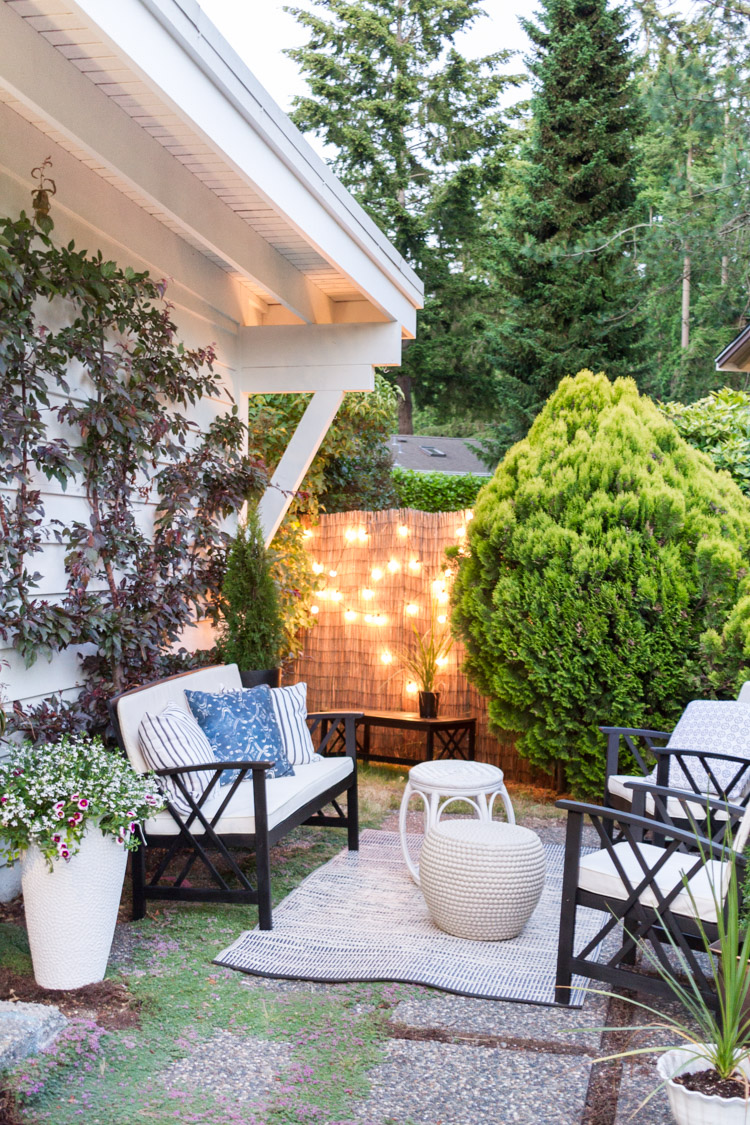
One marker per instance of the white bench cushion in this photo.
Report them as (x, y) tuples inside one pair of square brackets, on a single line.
[(598, 874), (283, 794)]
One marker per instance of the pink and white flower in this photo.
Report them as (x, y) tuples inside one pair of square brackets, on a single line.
[(84, 803)]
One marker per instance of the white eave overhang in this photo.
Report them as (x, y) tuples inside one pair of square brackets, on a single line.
[(736, 356), (151, 98)]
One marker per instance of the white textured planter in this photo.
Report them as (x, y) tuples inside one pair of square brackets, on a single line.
[(690, 1107), (71, 911)]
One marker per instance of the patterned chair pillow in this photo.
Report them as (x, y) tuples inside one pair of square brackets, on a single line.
[(290, 705), (173, 738), (241, 726), (722, 726)]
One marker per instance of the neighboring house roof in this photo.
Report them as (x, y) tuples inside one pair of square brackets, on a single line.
[(736, 356), (436, 454)]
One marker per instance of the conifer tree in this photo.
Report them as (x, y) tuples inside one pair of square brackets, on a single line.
[(568, 280), (417, 133)]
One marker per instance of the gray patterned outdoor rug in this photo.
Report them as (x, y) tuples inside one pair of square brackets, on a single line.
[(360, 917)]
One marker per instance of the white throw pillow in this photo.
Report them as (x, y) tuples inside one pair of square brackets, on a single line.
[(173, 738), (290, 705), (721, 726)]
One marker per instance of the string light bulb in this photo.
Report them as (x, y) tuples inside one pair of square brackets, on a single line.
[(460, 532), (368, 595), (317, 568), (403, 531), (377, 573), (412, 609), (387, 657), (412, 687), (333, 573), (350, 615), (335, 595), (469, 515), (394, 565), (415, 564), (350, 535), (362, 534), (307, 534), (314, 609), (441, 661), (442, 619)]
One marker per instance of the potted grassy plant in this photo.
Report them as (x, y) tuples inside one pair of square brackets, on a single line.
[(252, 628), (707, 1075), (425, 660), (70, 811)]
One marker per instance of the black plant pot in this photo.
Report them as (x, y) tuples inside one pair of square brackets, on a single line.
[(270, 676), (429, 702)]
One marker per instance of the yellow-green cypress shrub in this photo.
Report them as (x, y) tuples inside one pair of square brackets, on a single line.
[(606, 580)]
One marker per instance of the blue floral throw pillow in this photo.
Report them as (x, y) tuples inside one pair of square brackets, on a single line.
[(241, 727)]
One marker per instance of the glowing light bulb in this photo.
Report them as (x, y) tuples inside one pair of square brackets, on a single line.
[(414, 564), (350, 534), (317, 568), (362, 535), (441, 661), (460, 532), (442, 598), (412, 609), (380, 619), (333, 573), (387, 658), (369, 619), (307, 534), (412, 687), (335, 595), (350, 615), (368, 595), (403, 531), (469, 515), (442, 619), (314, 609), (394, 565), (438, 586), (377, 574)]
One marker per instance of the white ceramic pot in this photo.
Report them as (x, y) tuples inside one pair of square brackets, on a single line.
[(71, 911), (690, 1107)]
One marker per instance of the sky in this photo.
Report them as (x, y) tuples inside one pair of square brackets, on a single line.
[(260, 29)]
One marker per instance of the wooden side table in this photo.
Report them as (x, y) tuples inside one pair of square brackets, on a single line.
[(453, 736)]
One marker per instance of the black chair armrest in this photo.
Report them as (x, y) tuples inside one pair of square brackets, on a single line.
[(334, 720), (615, 735), (216, 766)]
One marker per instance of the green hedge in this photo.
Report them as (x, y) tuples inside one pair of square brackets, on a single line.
[(436, 492)]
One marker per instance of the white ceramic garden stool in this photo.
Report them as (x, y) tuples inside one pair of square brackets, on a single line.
[(481, 880), (447, 782)]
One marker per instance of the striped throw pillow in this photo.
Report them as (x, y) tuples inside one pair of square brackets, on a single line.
[(173, 738), (290, 705)]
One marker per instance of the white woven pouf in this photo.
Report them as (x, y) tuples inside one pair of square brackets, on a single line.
[(481, 881)]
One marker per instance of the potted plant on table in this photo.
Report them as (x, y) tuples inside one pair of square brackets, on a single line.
[(425, 660), (252, 628), (70, 811)]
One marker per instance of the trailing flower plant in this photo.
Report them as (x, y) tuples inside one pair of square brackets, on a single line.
[(51, 794)]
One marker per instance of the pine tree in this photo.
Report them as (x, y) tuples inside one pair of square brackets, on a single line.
[(252, 628), (560, 254), (418, 135)]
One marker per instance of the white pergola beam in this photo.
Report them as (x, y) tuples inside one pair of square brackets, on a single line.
[(35, 73), (319, 345), (300, 379), (297, 459)]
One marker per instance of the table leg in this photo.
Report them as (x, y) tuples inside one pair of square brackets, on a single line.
[(429, 745), (366, 743), (412, 868), (472, 739)]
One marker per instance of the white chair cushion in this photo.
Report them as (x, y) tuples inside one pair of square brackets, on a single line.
[(284, 795), (616, 785), (173, 738), (710, 725), (598, 874), (290, 705), (132, 707)]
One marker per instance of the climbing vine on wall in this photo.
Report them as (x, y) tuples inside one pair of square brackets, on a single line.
[(94, 389)]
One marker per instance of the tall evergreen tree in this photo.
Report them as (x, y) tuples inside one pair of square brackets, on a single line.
[(564, 265), (418, 135)]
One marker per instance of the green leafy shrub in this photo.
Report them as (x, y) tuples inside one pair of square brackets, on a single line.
[(436, 492), (719, 425), (251, 630), (606, 578)]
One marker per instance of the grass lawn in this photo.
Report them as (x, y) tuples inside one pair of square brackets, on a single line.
[(150, 1044)]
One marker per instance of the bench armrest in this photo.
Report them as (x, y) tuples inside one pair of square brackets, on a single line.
[(335, 721)]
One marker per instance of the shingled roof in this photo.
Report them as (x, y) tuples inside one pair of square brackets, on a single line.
[(436, 454)]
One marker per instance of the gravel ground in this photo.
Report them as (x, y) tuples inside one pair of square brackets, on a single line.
[(248, 1069)]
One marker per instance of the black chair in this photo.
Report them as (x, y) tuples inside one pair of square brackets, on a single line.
[(637, 879)]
